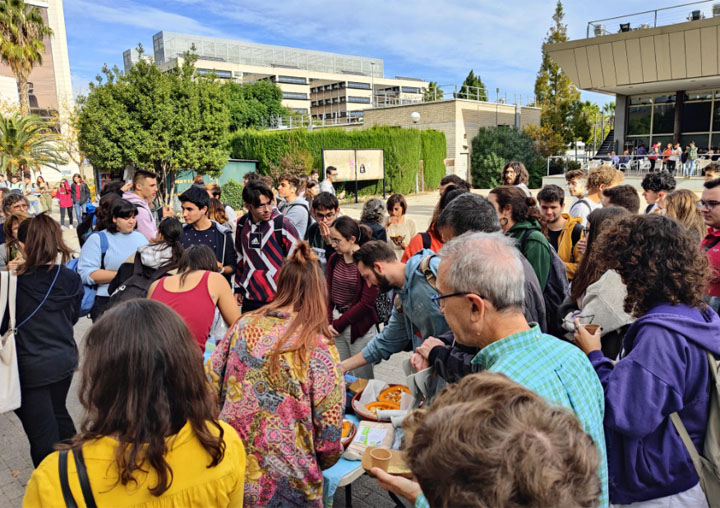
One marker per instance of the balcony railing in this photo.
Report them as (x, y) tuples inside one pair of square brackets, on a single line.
[(693, 11)]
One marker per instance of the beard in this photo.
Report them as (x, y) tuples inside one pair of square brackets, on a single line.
[(383, 284)]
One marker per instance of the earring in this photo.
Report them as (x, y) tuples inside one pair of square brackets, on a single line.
[(504, 223)]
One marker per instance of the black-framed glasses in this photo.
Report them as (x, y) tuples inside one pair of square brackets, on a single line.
[(438, 298), (707, 204)]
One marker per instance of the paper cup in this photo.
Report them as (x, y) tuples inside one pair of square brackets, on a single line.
[(592, 328), (381, 458)]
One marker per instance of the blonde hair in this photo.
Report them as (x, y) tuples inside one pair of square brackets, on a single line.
[(681, 205), (601, 175)]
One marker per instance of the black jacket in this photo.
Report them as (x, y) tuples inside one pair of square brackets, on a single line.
[(46, 348), (84, 193)]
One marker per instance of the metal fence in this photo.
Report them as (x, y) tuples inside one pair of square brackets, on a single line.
[(628, 164), (682, 13)]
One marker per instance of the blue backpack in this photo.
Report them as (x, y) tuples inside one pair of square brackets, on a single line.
[(89, 291)]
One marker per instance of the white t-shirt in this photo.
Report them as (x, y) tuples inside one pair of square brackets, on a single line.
[(582, 208)]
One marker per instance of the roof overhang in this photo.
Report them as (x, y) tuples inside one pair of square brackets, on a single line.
[(683, 56)]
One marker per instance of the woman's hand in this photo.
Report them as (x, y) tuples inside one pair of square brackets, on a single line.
[(586, 341)]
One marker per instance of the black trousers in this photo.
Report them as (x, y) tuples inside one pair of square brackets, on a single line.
[(45, 417)]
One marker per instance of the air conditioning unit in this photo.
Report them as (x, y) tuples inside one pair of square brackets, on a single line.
[(599, 30), (716, 10)]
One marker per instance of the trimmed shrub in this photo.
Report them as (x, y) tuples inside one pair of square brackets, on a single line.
[(492, 147), (403, 149), (232, 194)]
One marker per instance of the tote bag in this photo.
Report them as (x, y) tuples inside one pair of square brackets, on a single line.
[(9, 374)]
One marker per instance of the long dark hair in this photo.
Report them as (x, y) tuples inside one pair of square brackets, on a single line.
[(43, 242), (196, 257), (142, 380), (171, 231), (522, 207), (590, 270), (103, 210), (349, 227)]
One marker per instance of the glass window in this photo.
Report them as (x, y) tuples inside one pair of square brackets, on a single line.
[(411, 89), (716, 115), (359, 100), (701, 140), (640, 100), (292, 79), (633, 142), (663, 140), (294, 95), (696, 117), (664, 118), (639, 120), (703, 95), (361, 86), (715, 143), (662, 99)]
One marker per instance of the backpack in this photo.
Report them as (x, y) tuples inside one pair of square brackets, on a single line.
[(309, 220), (426, 239), (707, 463), (557, 288), (278, 229), (89, 291), (137, 285)]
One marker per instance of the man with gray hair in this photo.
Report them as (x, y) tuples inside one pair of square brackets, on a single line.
[(480, 292)]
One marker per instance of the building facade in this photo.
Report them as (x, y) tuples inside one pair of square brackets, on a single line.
[(665, 79), (328, 86)]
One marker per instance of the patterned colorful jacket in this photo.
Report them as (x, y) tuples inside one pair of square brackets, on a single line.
[(290, 422)]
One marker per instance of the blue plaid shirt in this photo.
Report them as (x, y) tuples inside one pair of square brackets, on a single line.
[(560, 373)]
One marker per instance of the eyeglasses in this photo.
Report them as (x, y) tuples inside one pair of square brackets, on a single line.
[(707, 204), (266, 206), (438, 298), (324, 216), (334, 241)]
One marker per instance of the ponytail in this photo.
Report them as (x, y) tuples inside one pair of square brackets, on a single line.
[(522, 206)]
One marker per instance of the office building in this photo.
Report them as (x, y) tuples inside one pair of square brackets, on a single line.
[(328, 86)]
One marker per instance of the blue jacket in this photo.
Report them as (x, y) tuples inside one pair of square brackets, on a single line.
[(663, 369), (418, 313)]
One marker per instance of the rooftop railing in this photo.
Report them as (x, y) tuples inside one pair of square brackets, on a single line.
[(693, 11)]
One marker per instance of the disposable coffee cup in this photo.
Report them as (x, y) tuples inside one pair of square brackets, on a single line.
[(592, 328), (380, 458)]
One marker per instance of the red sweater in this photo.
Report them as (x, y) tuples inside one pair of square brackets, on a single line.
[(361, 314), (713, 254)]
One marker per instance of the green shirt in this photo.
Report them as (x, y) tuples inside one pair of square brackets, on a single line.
[(560, 373)]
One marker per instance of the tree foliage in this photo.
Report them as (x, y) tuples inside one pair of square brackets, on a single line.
[(253, 104), (472, 88), (492, 147), (27, 144), (161, 121), (562, 110), (432, 92), (21, 46)]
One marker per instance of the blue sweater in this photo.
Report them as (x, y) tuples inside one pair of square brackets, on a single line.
[(120, 247), (664, 369)]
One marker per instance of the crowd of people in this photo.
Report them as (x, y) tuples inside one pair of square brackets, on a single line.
[(567, 341)]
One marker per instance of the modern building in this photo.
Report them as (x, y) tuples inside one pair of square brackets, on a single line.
[(328, 86), (50, 84), (662, 66)]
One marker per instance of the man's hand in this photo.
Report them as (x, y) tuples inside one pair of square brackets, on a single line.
[(409, 489), (353, 362), (334, 331), (427, 345), (126, 187), (324, 231), (419, 362)]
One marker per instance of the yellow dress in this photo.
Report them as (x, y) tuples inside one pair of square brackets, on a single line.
[(194, 485)]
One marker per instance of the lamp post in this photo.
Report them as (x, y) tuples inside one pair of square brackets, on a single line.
[(372, 84), (415, 117)]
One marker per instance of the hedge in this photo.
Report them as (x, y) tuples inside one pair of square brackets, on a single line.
[(404, 148)]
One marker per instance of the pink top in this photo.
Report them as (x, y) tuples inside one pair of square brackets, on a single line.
[(195, 306), (64, 196)]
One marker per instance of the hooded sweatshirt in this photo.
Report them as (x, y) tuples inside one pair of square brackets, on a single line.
[(536, 249), (46, 350), (145, 222), (663, 369)]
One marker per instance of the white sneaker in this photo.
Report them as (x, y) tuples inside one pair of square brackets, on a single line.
[(62, 227)]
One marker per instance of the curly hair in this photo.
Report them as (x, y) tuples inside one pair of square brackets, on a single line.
[(658, 259), (521, 173), (373, 211), (601, 175), (660, 181), (522, 207)]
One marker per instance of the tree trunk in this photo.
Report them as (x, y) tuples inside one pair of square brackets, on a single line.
[(24, 96)]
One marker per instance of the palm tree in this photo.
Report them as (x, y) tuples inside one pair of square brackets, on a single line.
[(21, 47), (26, 143)]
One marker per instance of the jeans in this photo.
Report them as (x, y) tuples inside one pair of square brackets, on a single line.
[(45, 417), (79, 211), (689, 167), (62, 215)]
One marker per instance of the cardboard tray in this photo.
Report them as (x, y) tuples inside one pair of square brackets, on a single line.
[(347, 440), (397, 463), (363, 413)]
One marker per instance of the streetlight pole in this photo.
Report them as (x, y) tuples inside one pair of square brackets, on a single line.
[(372, 84)]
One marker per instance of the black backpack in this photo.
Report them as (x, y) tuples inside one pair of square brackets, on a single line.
[(427, 240), (557, 288), (138, 284)]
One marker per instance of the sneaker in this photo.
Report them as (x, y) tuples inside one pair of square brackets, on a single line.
[(62, 227)]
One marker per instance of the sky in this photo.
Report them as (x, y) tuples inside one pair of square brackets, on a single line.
[(437, 40)]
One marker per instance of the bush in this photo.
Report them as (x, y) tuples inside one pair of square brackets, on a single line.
[(404, 148), (492, 147), (232, 194)]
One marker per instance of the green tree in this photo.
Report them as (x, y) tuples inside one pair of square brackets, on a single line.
[(26, 143), (555, 93), (492, 147), (163, 121), (21, 47), (253, 104), (432, 92), (472, 88)]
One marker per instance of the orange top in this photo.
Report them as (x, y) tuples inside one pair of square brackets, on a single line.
[(416, 245)]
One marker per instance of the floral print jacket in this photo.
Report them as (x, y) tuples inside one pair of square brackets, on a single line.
[(290, 422)]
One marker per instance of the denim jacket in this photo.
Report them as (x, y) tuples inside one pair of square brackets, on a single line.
[(416, 313)]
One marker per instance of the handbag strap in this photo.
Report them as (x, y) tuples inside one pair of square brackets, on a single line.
[(687, 441), (64, 484), (83, 477), (52, 284)]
